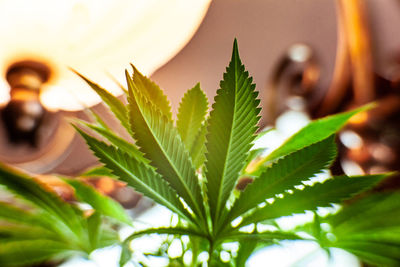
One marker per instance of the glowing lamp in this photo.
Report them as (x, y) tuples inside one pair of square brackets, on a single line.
[(97, 37), (41, 40)]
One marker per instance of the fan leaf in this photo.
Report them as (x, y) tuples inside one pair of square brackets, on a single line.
[(98, 171), (119, 142), (373, 252), (20, 232), (13, 214), (19, 253), (334, 190), (191, 114), (142, 178), (246, 248), (315, 131), (159, 140), (152, 92), (125, 256), (372, 213), (27, 188), (262, 236), (285, 174), (198, 149), (115, 105), (94, 229), (165, 230), (369, 228), (231, 130), (99, 202)]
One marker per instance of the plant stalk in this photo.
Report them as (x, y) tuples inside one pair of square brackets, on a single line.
[(210, 252)]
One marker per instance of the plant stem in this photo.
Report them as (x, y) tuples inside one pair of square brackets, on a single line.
[(210, 252)]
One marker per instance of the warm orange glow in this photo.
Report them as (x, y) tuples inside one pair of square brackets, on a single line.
[(106, 185), (23, 95), (359, 47), (55, 184), (359, 155), (360, 118), (253, 165)]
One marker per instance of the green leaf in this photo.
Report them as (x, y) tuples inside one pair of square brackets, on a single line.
[(231, 131), (115, 105), (33, 218), (95, 117), (285, 174), (152, 92), (261, 236), (373, 252), (115, 80), (198, 150), (246, 248), (99, 202), (314, 132), (334, 190), (37, 195), (94, 229), (159, 140), (126, 255), (98, 171), (373, 213), (253, 155), (18, 253), (119, 142), (108, 237), (191, 114), (165, 230), (142, 178), (18, 232), (11, 213), (369, 228)]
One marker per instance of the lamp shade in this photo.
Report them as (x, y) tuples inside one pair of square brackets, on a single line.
[(98, 38)]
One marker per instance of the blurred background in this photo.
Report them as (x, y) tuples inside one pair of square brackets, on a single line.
[(309, 58), (270, 34)]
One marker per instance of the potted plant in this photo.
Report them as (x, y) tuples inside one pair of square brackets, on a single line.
[(193, 166)]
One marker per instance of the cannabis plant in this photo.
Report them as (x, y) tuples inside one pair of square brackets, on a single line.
[(192, 167), (203, 168), (37, 226)]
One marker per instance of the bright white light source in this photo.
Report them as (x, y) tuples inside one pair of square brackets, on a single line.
[(187, 257), (350, 139), (291, 121), (175, 249), (300, 52), (203, 256), (225, 256), (95, 37), (352, 168), (301, 253)]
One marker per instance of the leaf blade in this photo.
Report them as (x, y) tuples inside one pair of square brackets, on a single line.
[(152, 92), (159, 140), (314, 132), (119, 142), (191, 114), (98, 171), (37, 195), (231, 130), (312, 197), (285, 174), (198, 149), (18, 253), (143, 179), (99, 202), (115, 105)]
